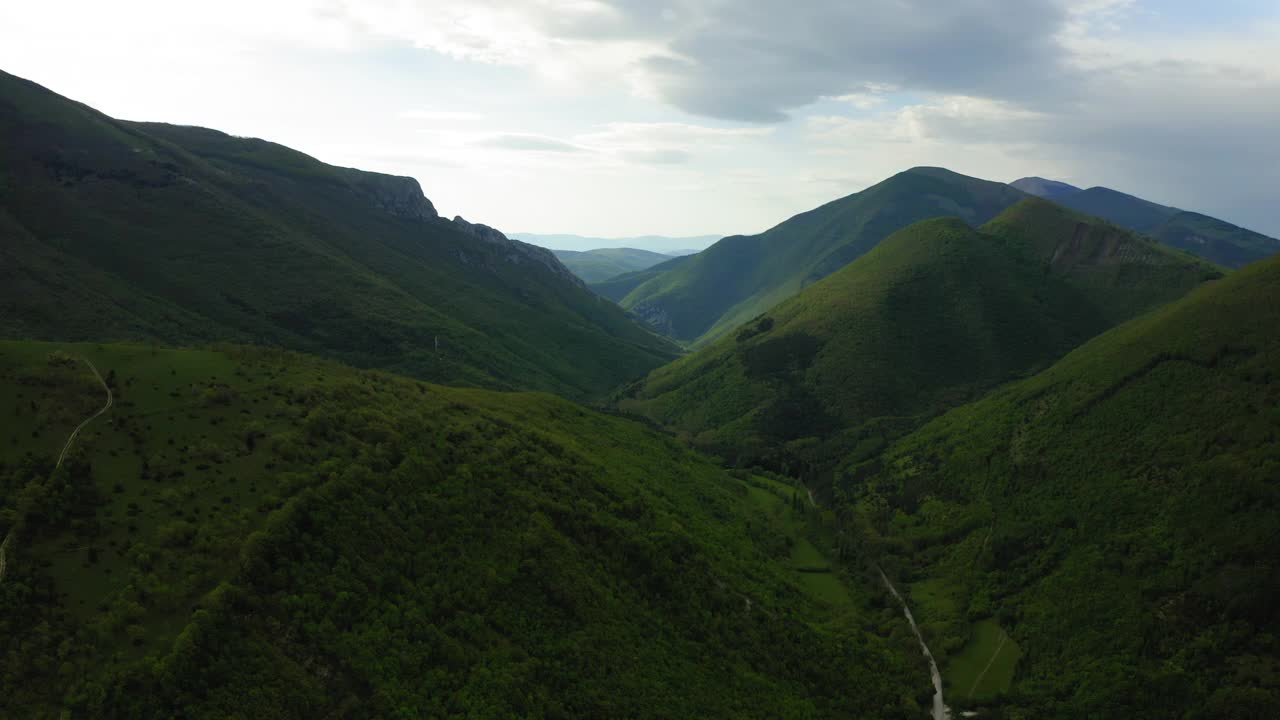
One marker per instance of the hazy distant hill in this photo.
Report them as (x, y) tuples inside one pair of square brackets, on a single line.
[(1215, 240), (594, 266), (653, 243), (113, 230)]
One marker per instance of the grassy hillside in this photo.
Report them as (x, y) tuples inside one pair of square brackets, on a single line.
[(601, 264), (620, 286), (930, 318), (1215, 240), (740, 277), (115, 230), (257, 534), (1116, 514)]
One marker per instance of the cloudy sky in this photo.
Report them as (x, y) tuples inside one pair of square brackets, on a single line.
[(626, 117)]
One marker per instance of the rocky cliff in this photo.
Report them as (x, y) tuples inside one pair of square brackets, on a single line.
[(517, 251)]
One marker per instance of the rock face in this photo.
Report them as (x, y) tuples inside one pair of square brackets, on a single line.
[(517, 251), (653, 315), (400, 196)]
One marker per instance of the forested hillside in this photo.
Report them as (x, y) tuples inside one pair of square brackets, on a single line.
[(112, 230), (932, 317), (1117, 515), (729, 283), (252, 533)]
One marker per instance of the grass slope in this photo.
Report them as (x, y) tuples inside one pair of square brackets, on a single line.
[(930, 318), (618, 287), (138, 231), (257, 534), (1116, 513), (740, 277), (601, 264)]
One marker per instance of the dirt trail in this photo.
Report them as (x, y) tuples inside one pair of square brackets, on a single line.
[(66, 447), (72, 438), (994, 655)]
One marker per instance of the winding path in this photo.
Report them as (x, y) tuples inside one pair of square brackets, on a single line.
[(110, 399), (994, 655), (66, 447)]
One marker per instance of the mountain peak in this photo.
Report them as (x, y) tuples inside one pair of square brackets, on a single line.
[(932, 171), (1041, 187), (399, 196)]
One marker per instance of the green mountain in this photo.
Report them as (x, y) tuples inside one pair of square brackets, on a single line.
[(601, 264), (933, 316), (1215, 240), (116, 230), (1114, 518), (618, 287), (666, 245), (740, 277), (253, 533)]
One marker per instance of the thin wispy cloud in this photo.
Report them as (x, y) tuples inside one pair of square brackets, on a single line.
[(531, 143)]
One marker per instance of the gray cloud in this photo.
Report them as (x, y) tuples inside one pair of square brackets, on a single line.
[(1187, 118), (755, 61), (1185, 136), (1191, 125)]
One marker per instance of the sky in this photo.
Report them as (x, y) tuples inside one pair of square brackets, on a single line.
[(689, 117)]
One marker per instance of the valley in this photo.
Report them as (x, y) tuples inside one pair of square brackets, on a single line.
[(282, 441)]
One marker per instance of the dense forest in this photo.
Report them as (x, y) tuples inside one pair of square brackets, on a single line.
[(1116, 514), (252, 533), (935, 315), (279, 441)]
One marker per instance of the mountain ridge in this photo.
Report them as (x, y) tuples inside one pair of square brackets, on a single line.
[(1215, 240), (741, 276), (199, 236), (935, 314)]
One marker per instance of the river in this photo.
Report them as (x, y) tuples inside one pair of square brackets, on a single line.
[(940, 710)]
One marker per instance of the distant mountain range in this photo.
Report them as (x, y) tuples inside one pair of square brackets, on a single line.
[(602, 264), (700, 298), (653, 243), (1215, 240)]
